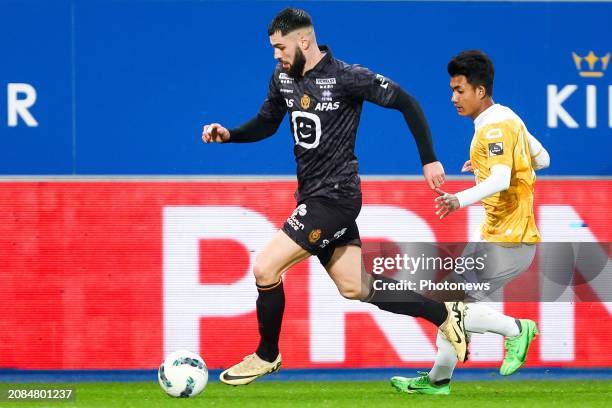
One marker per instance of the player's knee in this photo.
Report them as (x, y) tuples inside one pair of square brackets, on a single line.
[(264, 271), (352, 292)]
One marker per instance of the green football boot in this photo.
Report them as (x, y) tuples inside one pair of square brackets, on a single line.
[(420, 385), (517, 347)]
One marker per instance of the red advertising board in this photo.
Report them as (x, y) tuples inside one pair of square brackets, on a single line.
[(113, 274)]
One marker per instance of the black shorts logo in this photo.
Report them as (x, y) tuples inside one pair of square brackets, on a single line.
[(496, 149), (314, 235)]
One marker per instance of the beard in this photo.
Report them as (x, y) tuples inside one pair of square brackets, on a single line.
[(297, 68)]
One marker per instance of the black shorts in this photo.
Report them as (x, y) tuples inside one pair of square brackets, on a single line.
[(320, 225)]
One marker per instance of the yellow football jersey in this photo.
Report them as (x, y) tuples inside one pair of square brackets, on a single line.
[(500, 137)]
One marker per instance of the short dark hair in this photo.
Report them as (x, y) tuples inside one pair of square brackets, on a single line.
[(289, 19), (476, 67)]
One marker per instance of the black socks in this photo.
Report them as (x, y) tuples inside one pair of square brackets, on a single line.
[(406, 302), (270, 308)]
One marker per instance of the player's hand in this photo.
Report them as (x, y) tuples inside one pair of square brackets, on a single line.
[(434, 174), (446, 203), (467, 167), (215, 133)]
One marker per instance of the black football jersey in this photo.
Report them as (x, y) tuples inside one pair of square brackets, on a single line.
[(324, 109)]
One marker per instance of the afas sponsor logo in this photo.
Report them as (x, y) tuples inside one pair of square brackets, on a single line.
[(327, 106)]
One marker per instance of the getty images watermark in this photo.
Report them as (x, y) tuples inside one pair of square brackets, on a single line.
[(482, 271), (406, 264)]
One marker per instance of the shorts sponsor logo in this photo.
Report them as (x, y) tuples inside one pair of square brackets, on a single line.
[(324, 243), (314, 235), (299, 210), (496, 149), (340, 233), (293, 221)]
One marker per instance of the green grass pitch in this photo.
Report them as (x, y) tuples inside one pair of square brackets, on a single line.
[(341, 394)]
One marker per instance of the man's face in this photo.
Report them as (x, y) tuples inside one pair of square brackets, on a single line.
[(288, 53), (467, 99)]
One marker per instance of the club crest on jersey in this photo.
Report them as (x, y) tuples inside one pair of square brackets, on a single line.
[(496, 149), (305, 102), (314, 235)]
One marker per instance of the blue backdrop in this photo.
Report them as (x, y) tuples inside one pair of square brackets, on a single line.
[(123, 87)]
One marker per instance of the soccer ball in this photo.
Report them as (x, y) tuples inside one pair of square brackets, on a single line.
[(183, 374)]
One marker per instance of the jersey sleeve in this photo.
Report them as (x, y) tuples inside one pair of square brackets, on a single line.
[(274, 107), (497, 141), (363, 84)]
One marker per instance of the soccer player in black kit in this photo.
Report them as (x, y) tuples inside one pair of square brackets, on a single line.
[(323, 97)]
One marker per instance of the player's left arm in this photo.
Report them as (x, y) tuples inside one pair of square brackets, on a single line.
[(498, 180), (540, 159), (383, 92)]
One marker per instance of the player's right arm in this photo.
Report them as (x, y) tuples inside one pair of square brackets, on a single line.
[(263, 125)]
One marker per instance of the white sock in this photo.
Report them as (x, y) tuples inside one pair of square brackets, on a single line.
[(445, 362), (480, 318)]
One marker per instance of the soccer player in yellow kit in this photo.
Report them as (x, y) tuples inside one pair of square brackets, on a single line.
[(503, 157)]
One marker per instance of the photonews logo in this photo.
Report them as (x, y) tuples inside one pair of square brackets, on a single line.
[(591, 66)]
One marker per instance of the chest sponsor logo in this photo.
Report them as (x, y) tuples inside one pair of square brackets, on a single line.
[(284, 78), (306, 128), (327, 106), (326, 83)]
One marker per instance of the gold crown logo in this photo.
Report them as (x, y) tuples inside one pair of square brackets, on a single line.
[(591, 59)]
